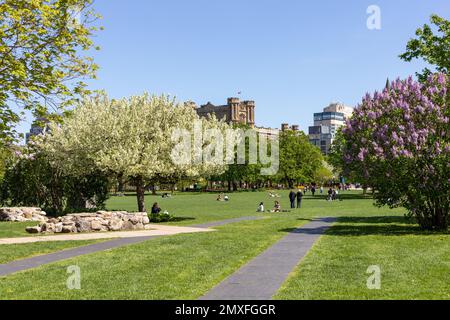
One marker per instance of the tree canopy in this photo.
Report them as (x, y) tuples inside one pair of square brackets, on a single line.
[(131, 137), (398, 141), (432, 46), (299, 159), (41, 65)]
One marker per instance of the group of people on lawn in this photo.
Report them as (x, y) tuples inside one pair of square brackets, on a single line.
[(296, 198), (277, 207)]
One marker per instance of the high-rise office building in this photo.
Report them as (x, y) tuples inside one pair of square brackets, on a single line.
[(326, 125)]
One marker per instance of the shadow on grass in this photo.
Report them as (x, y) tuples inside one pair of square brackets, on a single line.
[(379, 225), (377, 219), (342, 197), (367, 226), (178, 219)]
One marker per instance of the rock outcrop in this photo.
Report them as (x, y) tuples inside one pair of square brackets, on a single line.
[(93, 222), (22, 214)]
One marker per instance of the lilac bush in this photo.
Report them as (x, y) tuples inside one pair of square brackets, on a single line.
[(398, 141)]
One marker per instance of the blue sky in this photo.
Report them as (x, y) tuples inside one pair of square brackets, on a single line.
[(291, 57)]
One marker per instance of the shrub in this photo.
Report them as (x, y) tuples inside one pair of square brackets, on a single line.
[(160, 217), (31, 180), (399, 142)]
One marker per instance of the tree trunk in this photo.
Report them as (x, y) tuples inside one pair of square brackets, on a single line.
[(140, 193), (120, 182)]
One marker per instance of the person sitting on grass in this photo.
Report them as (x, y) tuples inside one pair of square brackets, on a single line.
[(155, 208), (219, 197), (277, 207), (226, 198), (260, 208)]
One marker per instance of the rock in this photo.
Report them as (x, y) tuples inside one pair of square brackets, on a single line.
[(83, 226), (22, 214), (128, 225), (28, 215), (96, 225), (52, 220), (48, 227), (138, 226), (36, 229), (115, 224), (135, 219), (58, 227), (89, 222), (69, 229)]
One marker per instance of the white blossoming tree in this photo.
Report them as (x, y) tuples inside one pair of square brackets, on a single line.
[(131, 136)]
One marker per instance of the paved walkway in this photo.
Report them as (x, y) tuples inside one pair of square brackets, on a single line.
[(261, 278), (123, 238), (152, 231)]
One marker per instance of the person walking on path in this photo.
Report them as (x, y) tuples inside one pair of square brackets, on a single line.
[(299, 198), (292, 199), (313, 190)]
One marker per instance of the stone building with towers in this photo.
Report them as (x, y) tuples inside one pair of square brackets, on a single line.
[(235, 111)]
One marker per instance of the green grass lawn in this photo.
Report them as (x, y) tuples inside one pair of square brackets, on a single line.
[(177, 267), (195, 208), (13, 252), (15, 229), (413, 264)]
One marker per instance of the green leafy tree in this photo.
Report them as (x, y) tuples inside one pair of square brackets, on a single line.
[(335, 158), (131, 136), (431, 46), (336, 154), (237, 173), (299, 159), (5, 156), (33, 179), (41, 67)]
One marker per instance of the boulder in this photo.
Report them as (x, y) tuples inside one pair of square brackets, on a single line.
[(115, 224), (69, 229), (36, 229), (22, 214), (59, 227), (94, 222), (83, 225)]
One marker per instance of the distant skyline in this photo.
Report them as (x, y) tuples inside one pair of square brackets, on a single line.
[(292, 57)]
